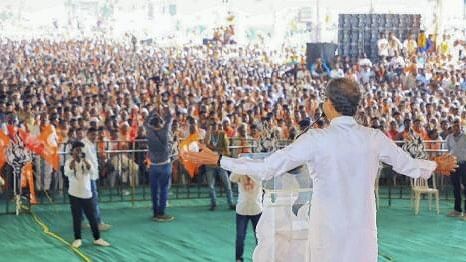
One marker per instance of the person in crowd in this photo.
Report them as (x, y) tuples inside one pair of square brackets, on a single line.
[(394, 45), (90, 151), (248, 208), (456, 145), (247, 85), (78, 170), (217, 140), (158, 136), (382, 46)]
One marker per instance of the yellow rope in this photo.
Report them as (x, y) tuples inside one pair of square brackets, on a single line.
[(386, 257), (48, 197), (47, 231)]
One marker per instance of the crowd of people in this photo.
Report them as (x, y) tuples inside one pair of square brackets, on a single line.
[(245, 92), (233, 99)]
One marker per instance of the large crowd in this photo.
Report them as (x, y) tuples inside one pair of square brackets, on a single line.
[(122, 113), (259, 98)]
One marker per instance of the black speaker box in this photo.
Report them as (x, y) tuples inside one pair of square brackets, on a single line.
[(326, 51)]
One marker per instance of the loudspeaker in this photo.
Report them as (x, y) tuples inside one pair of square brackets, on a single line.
[(326, 51), (358, 33)]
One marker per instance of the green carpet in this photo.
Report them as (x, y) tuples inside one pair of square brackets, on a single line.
[(200, 235)]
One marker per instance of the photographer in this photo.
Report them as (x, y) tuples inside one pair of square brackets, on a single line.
[(78, 169)]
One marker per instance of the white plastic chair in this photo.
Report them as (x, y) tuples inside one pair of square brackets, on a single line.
[(419, 186)]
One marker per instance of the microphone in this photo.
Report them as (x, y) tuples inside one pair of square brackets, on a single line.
[(322, 115)]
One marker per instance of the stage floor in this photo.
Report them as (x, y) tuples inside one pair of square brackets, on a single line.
[(201, 235)]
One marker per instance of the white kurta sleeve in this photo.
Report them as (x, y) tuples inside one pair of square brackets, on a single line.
[(298, 153), (401, 161)]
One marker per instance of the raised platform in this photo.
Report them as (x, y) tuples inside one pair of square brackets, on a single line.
[(201, 235)]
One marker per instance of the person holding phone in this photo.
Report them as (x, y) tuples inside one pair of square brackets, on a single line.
[(78, 169)]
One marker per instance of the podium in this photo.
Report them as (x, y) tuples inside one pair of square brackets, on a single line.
[(283, 229)]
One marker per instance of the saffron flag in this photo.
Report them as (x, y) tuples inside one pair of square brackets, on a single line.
[(30, 142), (189, 145), (4, 141), (45, 145), (48, 139)]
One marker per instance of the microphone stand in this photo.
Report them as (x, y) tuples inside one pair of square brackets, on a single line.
[(322, 115), (297, 170)]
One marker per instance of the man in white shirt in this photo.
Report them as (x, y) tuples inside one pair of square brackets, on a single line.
[(337, 72), (78, 169), (364, 61), (365, 75), (394, 44), (90, 150), (382, 46), (344, 158), (248, 208), (410, 46)]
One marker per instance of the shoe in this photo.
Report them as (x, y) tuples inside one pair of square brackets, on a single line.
[(77, 243), (164, 218), (104, 227), (233, 207), (101, 242), (213, 207), (454, 213)]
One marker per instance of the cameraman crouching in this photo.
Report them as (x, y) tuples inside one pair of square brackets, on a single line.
[(78, 170)]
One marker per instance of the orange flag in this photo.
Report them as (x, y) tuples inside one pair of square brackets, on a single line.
[(30, 142), (50, 146), (4, 141), (44, 145), (190, 167)]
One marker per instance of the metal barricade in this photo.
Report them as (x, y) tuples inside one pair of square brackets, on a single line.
[(124, 176)]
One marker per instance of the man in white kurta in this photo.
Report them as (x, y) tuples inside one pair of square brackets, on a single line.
[(345, 159)]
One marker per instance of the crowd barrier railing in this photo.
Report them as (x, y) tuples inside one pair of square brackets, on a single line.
[(124, 176)]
